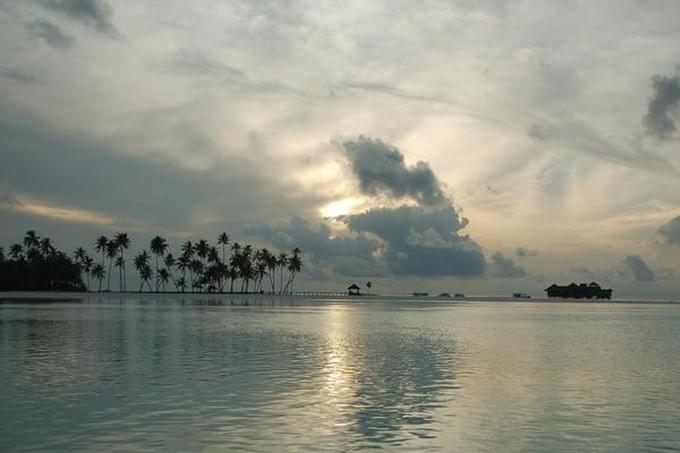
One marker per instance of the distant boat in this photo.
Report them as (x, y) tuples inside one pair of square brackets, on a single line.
[(421, 294), (459, 296), (444, 295), (591, 290), (521, 296)]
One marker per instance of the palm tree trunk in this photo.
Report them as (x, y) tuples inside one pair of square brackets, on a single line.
[(108, 280)]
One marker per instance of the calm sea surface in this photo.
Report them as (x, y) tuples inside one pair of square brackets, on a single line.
[(268, 375)]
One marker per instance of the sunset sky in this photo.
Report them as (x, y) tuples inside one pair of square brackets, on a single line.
[(442, 145)]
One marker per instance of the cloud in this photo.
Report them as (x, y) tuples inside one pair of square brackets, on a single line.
[(50, 33), (422, 241), (523, 252), (74, 171), (671, 231), (380, 168), (17, 75), (639, 269), (345, 255), (664, 107), (502, 267), (93, 13)]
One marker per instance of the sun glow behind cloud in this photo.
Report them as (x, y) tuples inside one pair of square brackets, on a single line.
[(60, 213), (342, 207)]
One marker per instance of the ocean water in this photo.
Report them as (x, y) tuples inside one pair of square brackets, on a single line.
[(262, 374)]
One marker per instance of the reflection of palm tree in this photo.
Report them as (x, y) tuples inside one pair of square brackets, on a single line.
[(98, 272)]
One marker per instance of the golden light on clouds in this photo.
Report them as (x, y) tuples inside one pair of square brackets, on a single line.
[(60, 213)]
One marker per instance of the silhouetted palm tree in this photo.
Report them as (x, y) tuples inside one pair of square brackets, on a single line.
[(120, 263), (141, 262), (111, 253), (16, 252), (87, 264), (158, 247), (99, 272), (223, 240), (281, 262), (123, 242), (163, 275), (100, 244), (31, 240), (271, 261), (46, 247), (294, 266)]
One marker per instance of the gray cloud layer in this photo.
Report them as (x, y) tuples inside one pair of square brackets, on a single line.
[(50, 33), (94, 13), (380, 168), (664, 107), (639, 269), (502, 267), (671, 231)]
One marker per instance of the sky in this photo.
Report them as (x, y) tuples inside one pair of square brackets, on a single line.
[(485, 147)]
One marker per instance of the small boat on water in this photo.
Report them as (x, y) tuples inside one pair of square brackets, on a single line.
[(459, 296), (521, 296), (417, 294)]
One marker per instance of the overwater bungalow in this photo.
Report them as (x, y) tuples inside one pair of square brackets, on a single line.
[(581, 291), (353, 290)]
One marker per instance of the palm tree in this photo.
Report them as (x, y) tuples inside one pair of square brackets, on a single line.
[(31, 240), (2, 255), (16, 252), (141, 261), (120, 264), (163, 275), (99, 272), (100, 244), (184, 263), (46, 247), (79, 254), (111, 253), (123, 242), (145, 274), (170, 262), (181, 284), (158, 247), (87, 268), (202, 249), (294, 266), (223, 240), (271, 261), (281, 261)]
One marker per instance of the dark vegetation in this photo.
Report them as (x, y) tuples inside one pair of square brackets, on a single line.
[(35, 264)]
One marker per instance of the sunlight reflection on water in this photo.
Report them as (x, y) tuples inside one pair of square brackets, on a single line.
[(133, 375)]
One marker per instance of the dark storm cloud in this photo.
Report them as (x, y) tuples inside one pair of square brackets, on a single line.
[(422, 241), (671, 231), (664, 107), (50, 33), (349, 256), (71, 169), (94, 13), (502, 267), (380, 168), (639, 269)]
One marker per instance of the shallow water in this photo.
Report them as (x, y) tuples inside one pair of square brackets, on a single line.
[(173, 375)]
